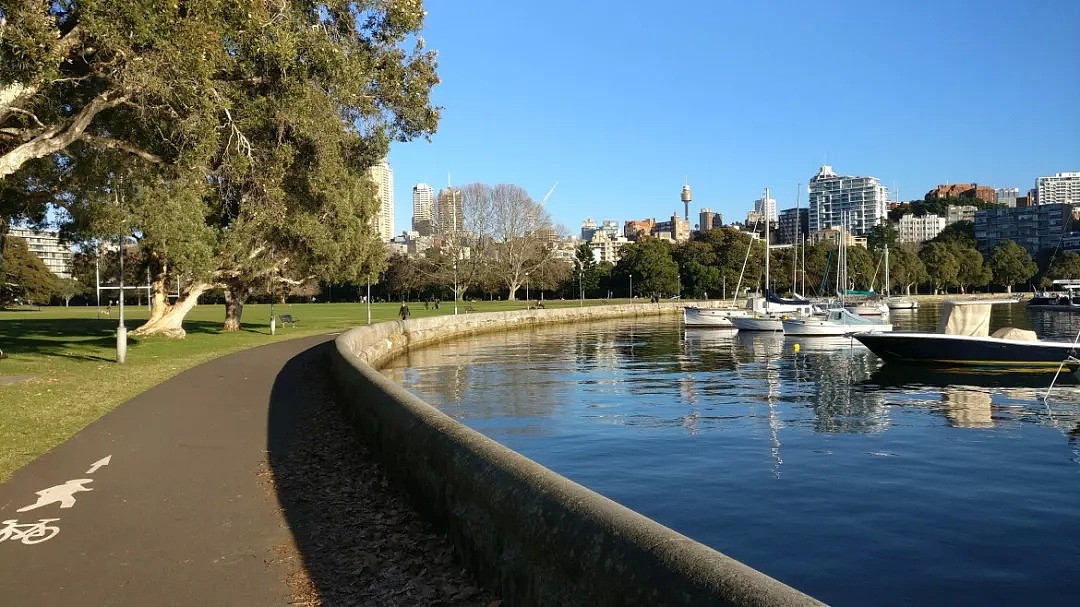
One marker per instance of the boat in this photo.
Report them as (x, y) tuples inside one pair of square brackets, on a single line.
[(963, 339), (836, 321), (868, 307), (1069, 300), (717, 318), (902, 302), (772, 307)]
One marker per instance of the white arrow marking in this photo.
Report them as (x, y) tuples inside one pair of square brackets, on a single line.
[(101, 462)]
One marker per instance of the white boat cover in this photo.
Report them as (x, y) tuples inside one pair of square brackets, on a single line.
[(1015, 334), (965, 319)]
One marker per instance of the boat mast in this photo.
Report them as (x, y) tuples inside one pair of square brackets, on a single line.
[(795, 247), (765, 209)]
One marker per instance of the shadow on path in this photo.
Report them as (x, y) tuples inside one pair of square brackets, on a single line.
[(359, 540)]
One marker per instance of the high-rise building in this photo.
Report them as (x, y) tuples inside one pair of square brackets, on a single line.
[(1006, 197), (423, 209), (383, 176), (1060, 189), (588, 228), (856, 202), (611, 229), (707, 220), (766, 208), (449, 211), (961, 212), (792, 225), (1035, 228), (677, 229), (46, 245)]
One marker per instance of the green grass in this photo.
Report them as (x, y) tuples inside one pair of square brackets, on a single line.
[(71, 354)]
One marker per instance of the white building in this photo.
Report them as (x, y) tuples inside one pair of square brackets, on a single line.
[(1062, 188), (920, 229), (766, 208), (1007, 196), (383, 176), (423, 208), (606, 249), (835, 200), (46, 245)]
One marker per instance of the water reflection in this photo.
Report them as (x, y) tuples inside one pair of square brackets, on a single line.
[(691, 427)]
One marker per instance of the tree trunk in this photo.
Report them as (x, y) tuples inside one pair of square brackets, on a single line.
[(1008, 289), (235, 297), (168, 320), (513, 288)]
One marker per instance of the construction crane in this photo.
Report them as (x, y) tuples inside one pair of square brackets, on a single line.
[(548, 195)]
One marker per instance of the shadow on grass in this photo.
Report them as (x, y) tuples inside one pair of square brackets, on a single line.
[(74, 338)]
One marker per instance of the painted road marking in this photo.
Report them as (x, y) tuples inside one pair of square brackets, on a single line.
[(65, 494), (29, 533), (101, 462)]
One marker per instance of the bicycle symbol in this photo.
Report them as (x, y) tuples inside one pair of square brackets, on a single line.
[(28, 533)]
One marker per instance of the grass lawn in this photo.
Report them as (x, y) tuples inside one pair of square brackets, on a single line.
[(70, 356)]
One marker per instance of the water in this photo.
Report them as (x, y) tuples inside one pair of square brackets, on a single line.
[(856, 484)]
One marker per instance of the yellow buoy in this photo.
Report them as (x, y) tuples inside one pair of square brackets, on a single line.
[(796, 348)]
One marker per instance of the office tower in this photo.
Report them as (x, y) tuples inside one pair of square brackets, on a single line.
[(449, 211), (423, 209), (1059, 189), (856, 202), (765, 208), (383, 176), (708, 220)]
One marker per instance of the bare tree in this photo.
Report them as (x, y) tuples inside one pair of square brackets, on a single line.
[(509, 235)]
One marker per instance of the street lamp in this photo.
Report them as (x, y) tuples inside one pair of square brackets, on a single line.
[(527, 298), (631, 288)]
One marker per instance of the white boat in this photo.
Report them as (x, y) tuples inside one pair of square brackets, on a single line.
[(868, 308), (837, 321), (772, 310), (717, 318)]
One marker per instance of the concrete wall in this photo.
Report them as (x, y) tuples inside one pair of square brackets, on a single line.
[(530, 534)]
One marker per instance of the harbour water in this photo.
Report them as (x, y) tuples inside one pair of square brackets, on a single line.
[(857, 483)]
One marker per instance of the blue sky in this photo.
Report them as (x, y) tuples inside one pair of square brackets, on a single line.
[(620, 101)]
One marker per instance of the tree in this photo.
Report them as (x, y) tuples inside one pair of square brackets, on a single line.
[(262, 120), (905, 267), (650, 264), (941, 264), (882, 235), (1065, 266), (961, 232), (66, 288), (971, 270), (25, 276), (511, 235), (1011, 264)]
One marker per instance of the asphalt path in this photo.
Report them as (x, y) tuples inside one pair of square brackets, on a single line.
[(166, 500)]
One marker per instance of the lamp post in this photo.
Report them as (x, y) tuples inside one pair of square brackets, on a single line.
[(527, 298), (368, 298), (631, 288), (121, 330)]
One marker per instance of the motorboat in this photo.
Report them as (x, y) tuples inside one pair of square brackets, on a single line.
[(1068, 300), (869, 307), (836, 321), (963, 339)]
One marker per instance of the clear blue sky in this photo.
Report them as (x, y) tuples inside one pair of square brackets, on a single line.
[(619, 101)]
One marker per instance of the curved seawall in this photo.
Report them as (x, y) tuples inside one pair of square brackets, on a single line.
[(530, 534)]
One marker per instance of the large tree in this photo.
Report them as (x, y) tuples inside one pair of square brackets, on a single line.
[(941, 264), (262, 117), (25, 276), (1011, 264), (649, 265)]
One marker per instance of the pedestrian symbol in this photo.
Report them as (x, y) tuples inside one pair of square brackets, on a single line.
[(64, 494)]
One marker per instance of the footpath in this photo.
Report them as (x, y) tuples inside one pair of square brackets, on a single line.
[(172, 499)]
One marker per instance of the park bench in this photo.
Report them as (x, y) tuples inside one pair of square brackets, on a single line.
[(287, 319)]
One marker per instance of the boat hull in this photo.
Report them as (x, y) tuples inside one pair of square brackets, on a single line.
[(758, 323), (902, 304), (717, 318), (968, 351), (816, 327)]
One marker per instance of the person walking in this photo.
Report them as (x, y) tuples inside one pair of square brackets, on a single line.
[(404, 311)]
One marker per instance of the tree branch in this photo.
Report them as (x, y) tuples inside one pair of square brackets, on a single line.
[(117, 144), (58, 137)]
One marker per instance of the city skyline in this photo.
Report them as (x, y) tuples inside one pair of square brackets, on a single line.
[(622, 111)]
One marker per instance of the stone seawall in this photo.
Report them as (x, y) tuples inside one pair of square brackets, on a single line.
[(530, 534)]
